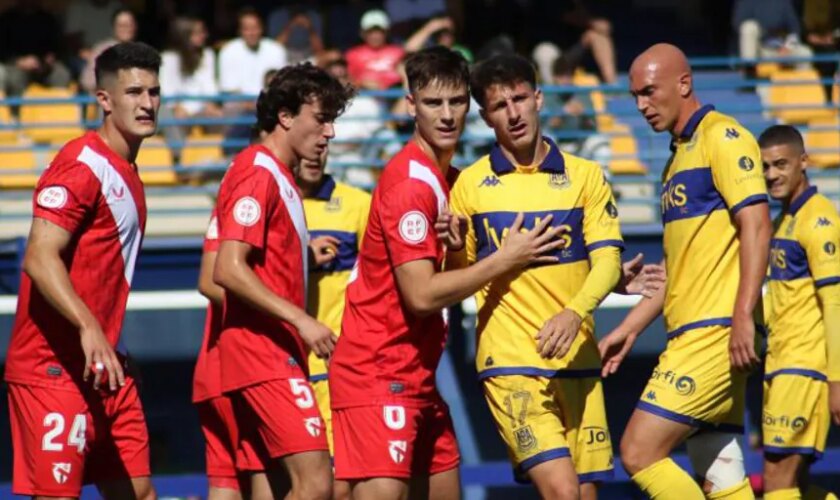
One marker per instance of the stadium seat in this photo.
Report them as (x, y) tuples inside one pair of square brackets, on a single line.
[(14, 164), (7, 135), (809, 95), (623, 145), (201, 150), (603, 120), (155, 163), (33, 117), (822, 141)]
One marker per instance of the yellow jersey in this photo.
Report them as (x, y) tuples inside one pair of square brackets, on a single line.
[(512, 309), (340, 211), (714, 171), (804, 256)]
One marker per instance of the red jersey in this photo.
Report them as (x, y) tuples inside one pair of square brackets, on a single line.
[(259, 204), (207, 378), (98, 197), (386, 354), (365, 63)]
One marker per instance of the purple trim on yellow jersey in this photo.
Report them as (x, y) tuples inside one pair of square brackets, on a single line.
[(793, 450), (326, 190), (348, 244), (793, 266), (796, 371), (596, 477), (685, 419), (540, 372), (490, 226), (318, 378), (693, 122), (605, 243), (553, 161), (690, 193), (801, 200), (750, 200), (699, 324), (543, 456), (827, 281)]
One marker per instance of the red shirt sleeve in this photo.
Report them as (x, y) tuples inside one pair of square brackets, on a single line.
[(408, 212), (66, 194), (211, 237), (245, 205)]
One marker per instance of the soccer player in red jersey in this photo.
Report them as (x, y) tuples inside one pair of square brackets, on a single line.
[(89, 215), (262, 265), (392, 431)]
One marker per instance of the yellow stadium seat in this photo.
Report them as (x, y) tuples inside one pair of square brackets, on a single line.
[(155, 163), (203, 150), (809, 94), (7, 136), (623, 145), (766, 69), (603, 120), (17, 160), (69, 115), (823, 145)]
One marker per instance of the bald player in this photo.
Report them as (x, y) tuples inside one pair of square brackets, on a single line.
[(716, 238)]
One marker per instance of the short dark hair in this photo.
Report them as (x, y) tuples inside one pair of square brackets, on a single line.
[(246, 12), (779, 135), (506, 69), (440, 64), (294, 86), (125, 55), (122, 10)]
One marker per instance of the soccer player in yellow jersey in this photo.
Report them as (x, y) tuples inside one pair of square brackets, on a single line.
[(537, 356), (716, 242), (802, 371), (336, 214)]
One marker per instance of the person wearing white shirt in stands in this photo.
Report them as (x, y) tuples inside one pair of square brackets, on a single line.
[(243, 61)]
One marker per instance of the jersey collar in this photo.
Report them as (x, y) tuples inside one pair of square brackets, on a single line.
[(326, 190), (802, 200), (553, 161), (692, 124)]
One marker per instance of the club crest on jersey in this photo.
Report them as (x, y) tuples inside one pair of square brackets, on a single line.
[(558, 181), (731, 133), (746, 163), (790, 228), (246, 211), (397, 450), (490, 181), (52, 197), (61, 471), (525, 439), (313, 426), (333, 205), (413, 227)]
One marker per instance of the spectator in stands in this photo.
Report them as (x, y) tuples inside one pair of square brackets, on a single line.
[(822, 22), (408, 16), (299, 29), (243, 61), (188, 68), (29, 44), (123, 29), (85, 23), (768, 28), (373, 64), (440, 31)]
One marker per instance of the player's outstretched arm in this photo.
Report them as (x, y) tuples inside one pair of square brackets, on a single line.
[(233, 273), (43, 264), (615, 346), (427, 291), (754, 232), (206, 285)]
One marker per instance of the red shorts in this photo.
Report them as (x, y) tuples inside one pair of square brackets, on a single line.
[(63, 439), (284, 415), (393, 441), (225, 454)]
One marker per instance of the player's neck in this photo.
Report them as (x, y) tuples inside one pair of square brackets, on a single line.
[(528, 156), (796, 193), (441, 157), (687, 110), (310, 188), (124, 147), (279, 147)]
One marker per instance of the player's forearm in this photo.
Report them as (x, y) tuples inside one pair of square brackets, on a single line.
[(455, 260), (602, 278), (206, 285), (754, 234), (643, 314), (49, 275), (235, 277), (829, 297)]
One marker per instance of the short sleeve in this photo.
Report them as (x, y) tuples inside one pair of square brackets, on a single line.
[(820, 236), (66, 194), (460, 204), (735, 161), (245, 205), (211, 236), (600, 213), (409, 210)]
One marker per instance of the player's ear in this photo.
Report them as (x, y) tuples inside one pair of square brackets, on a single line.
[(412, 104), (538, 95), (104, 100), (285, 119), (685, 84)]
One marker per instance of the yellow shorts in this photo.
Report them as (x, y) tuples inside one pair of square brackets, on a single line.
[(541, 419), (795, 419), (693, 383), (322, 396)]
